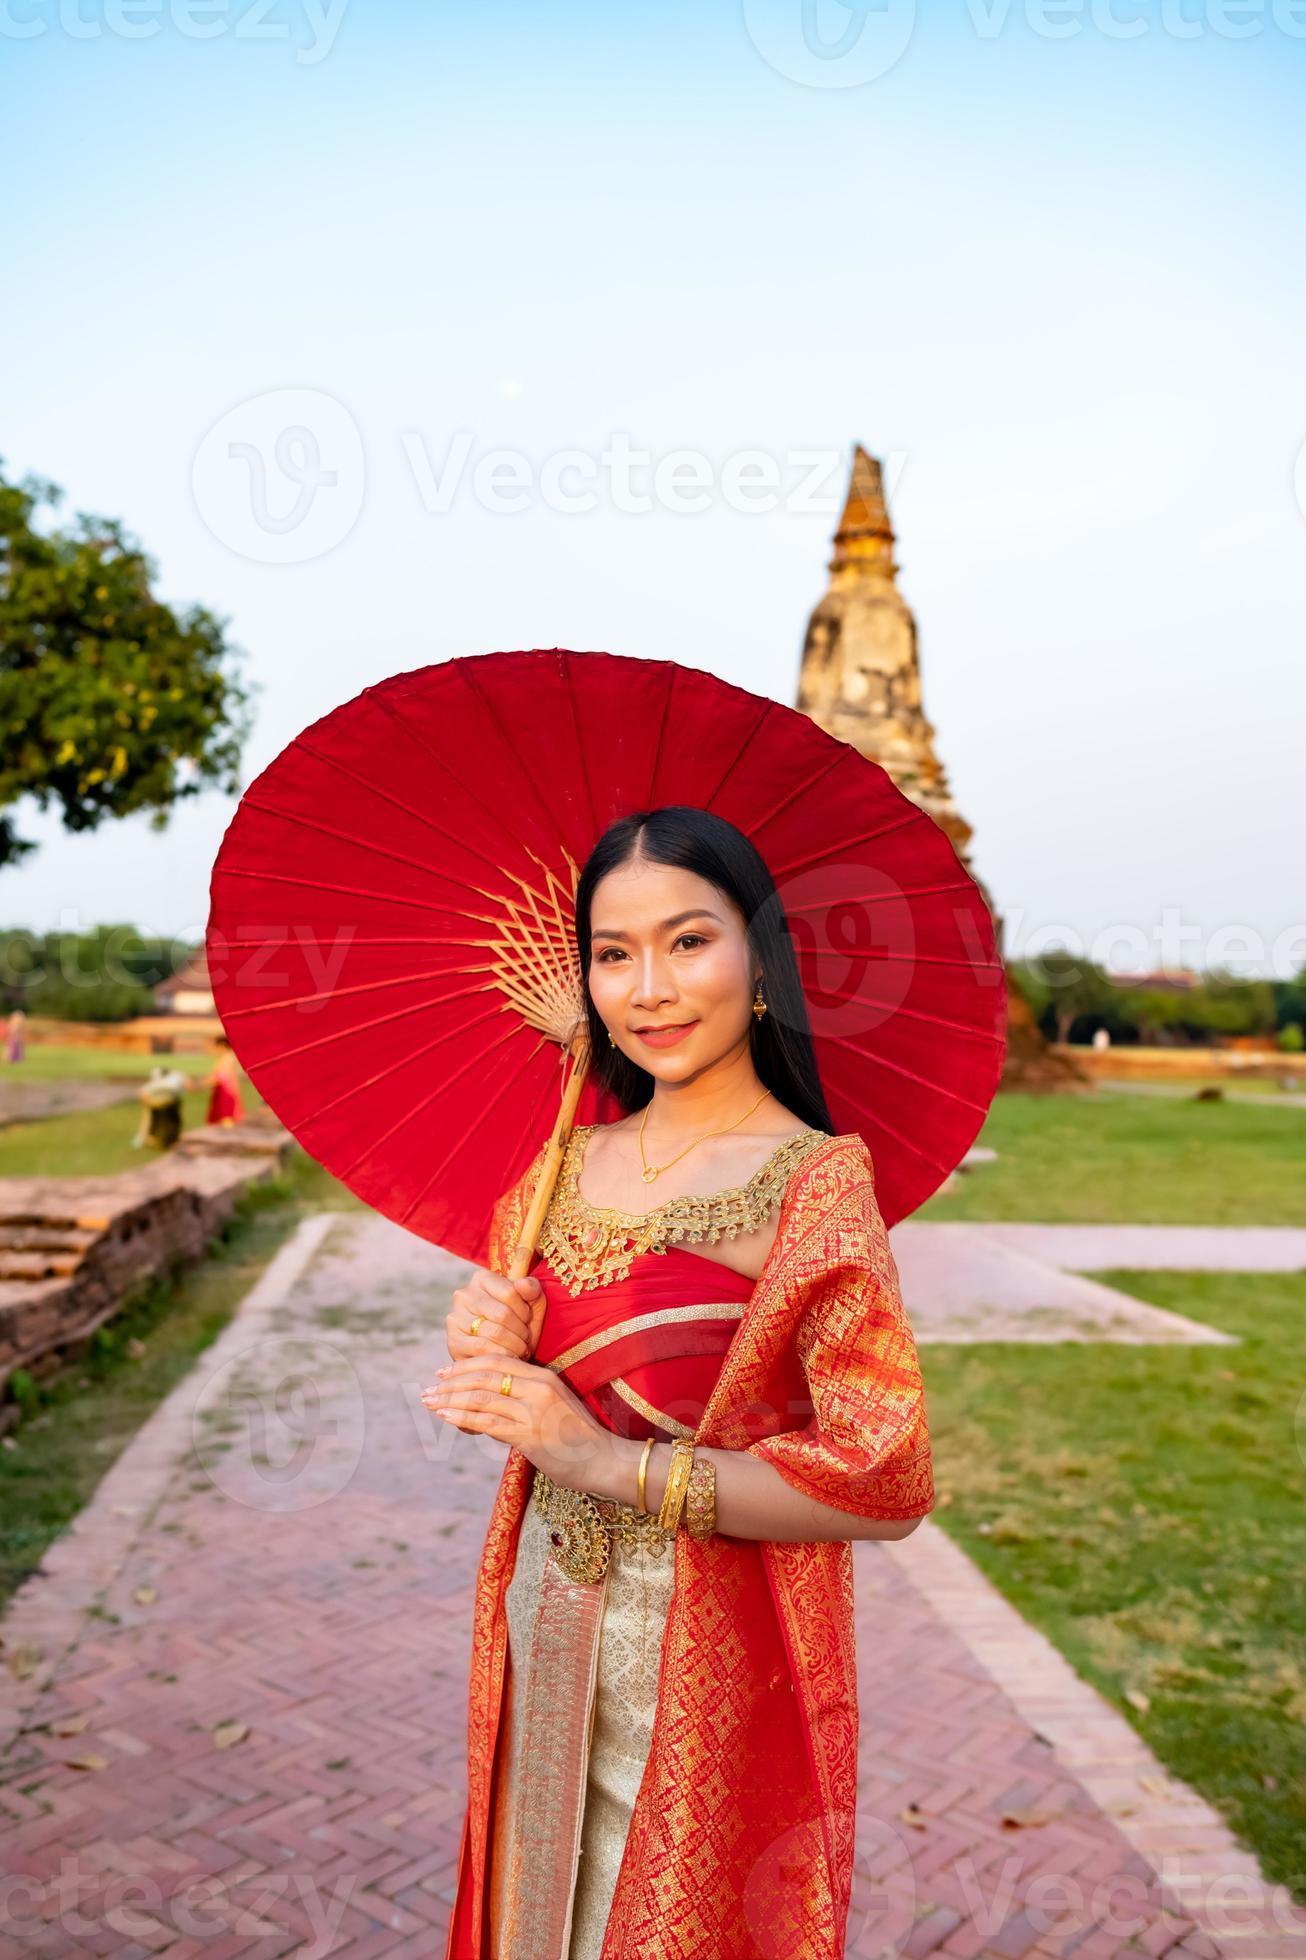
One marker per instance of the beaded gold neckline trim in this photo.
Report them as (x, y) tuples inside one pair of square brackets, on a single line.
[(589, 1245)]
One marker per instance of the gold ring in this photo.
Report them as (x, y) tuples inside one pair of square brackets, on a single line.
[(505, 1386), (476, 1321)]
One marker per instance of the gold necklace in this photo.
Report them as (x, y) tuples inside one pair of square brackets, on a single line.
[(650, 1171)]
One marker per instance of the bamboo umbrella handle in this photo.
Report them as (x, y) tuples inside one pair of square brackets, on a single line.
[(524, 1251)]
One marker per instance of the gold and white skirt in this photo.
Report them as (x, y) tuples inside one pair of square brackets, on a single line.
[(579, 1701)]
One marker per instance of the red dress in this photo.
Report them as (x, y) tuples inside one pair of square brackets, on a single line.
[(647, 1345), (224, 1098), (739, 1838)]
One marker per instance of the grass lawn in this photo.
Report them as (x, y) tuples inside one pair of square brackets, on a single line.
[(89, 1142), (83, 1418), (1144, 1507), (1145, 1160), (86, 1142), (1232, 1085), (48, 1061)]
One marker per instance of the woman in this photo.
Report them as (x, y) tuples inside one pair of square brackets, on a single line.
[(663, 1716), (224, 1086), (160, 1097)]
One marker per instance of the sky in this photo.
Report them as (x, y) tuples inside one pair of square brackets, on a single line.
[(395, 330)]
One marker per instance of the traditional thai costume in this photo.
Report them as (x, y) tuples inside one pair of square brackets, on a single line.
[(225, 1105), (663, 1729)]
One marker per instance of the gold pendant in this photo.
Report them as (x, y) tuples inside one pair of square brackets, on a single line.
[(649, 1175)]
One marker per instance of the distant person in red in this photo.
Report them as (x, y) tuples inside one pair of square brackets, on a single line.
[(224, 1086)]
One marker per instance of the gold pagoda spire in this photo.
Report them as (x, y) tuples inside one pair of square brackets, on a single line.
[(860, 675), (865, 535), (861, 681)]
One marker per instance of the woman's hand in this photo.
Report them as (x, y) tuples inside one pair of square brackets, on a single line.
[(540, 1415), (493, 1315)]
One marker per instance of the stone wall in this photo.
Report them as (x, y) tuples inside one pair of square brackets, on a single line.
[(73, 1248), (147, 1034)]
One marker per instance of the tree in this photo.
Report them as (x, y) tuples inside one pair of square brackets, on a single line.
[(110, 702), (1290, 1001), (1060, 986), (104, 974)]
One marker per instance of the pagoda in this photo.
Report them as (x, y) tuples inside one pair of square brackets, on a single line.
[(861, 677), (861, 680)]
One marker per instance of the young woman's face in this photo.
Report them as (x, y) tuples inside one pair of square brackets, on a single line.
[(669, 951)]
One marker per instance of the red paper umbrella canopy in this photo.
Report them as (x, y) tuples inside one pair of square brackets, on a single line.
[(391, 921)]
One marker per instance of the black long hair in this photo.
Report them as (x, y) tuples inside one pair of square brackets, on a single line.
[(702, 842)]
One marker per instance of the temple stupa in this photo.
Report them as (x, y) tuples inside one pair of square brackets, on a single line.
[(861, 680), (861, 677)]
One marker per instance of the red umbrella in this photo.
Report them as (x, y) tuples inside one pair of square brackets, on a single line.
[(391, 938)]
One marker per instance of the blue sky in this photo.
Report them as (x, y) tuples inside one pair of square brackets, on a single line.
[(1048, 267)]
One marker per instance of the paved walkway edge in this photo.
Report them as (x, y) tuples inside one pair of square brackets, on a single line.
[(1188, 1844), (47, 1614)]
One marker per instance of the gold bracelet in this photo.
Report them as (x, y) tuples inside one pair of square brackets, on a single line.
[(682, 1460), (643, 1472), (700, 1498)]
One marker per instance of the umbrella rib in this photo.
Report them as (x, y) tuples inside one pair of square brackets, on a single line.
[(939, 1088), (361, 987), (537, 953), (526, 947), (419, 816), (580, 749), (877, 1122), (913, 815), (672, 670), (362, 844), (335, 1035), (473, 1061), (883, 897), (917, 1014), (740, 752), (324, 885), (356, 891), (404, 1061), (460, 1144), (526, 771), (886, 955), (441, 762), (371, 939), (799, 789)]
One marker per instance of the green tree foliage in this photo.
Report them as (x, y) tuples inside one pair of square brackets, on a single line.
[(1061, 987), (1070, 998), (1290, 1001), (110, 701), (104, 974)]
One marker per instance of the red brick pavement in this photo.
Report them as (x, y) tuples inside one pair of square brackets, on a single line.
[(282, 1561)]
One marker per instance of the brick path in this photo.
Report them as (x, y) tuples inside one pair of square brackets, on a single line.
[(254, 1643)]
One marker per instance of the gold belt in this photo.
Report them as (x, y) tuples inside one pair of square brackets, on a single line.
[(582, 1527)]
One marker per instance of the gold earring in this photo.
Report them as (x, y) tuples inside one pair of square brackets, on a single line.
[(759, 1005), (612, 1039)]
